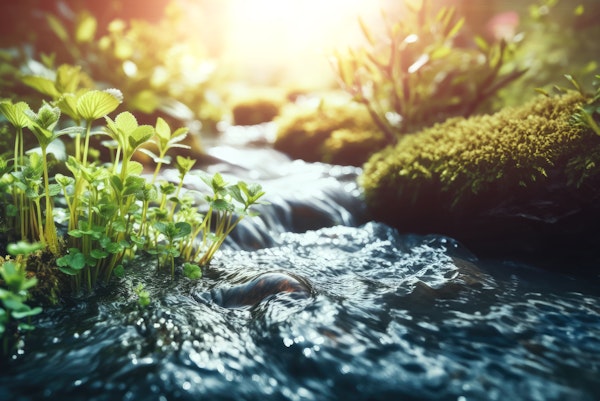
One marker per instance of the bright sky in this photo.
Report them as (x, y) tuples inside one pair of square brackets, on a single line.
[(275, 39)]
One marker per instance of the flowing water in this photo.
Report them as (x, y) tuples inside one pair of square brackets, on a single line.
[(379, 315)]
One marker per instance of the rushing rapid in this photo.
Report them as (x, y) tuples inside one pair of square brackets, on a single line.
[(314, 302)]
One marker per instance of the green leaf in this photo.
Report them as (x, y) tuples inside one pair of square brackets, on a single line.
[(64, 180), (74, 260), (116, 183), (68, 105), (134, 168), (192, 271), (41, 84), (85, 29), (217, 183), (67, 78), (54, 189), (24, 248), (47, 117), (163, 130), (457, 27), (98, 254), (183, 229), (119, 271), (96, 104), (140, 135), (15, 113), (221, 205), (26, 312), (184, 164)]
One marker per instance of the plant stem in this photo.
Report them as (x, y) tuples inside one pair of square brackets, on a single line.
[(50, 227), (88, 129)]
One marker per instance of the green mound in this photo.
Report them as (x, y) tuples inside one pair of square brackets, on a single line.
[(336, 132), (522, 179)]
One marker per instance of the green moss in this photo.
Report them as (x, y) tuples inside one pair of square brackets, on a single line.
[(465, 166), (333, 131)]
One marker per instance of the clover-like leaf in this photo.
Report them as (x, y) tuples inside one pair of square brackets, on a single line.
[(15, 113), (23, 248), (96, 104)]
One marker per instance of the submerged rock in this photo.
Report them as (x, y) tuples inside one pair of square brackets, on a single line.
[(523, 182), (260, 288)]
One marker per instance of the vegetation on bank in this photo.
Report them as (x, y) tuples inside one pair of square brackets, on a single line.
[(443, 176), (332, 130), (419, 72), (91, 216)]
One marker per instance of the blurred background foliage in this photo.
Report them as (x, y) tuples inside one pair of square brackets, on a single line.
[(187, 59), (141, 48)]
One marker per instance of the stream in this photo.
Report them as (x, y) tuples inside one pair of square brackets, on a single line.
[(375, 314)]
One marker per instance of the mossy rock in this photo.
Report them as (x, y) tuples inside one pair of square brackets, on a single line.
[(255, 111), (523, 182), (330, 131)]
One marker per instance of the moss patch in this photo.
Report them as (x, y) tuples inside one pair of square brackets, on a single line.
[(489, 177), (332, 131)]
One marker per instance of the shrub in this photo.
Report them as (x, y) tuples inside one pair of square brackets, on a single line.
[(417, 74)]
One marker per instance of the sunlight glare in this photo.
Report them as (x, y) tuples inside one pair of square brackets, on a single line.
[(272, 38)]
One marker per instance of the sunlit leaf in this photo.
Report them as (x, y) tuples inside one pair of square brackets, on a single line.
[(126, 122), (85, 30), (135, 168), (67, 78), (68, 105), (184, 164), (145, 101), (96, 104), (41, 84), (162, 129), (140, 135), (15, 113), (457, 27)]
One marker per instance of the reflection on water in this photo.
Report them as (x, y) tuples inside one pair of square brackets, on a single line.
[(384, 316), (389, 317)]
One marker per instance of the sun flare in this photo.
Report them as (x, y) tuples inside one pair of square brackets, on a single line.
[(272, 38)]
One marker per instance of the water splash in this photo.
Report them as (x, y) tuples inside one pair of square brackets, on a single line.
[(389, 316)]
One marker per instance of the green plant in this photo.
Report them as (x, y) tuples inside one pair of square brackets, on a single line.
[(154, 64), (418, 74), (228, 205), (143, 295), (555, 39), (14, 287), (192, 271), (111, 211), (467, 166), (588, 114)]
